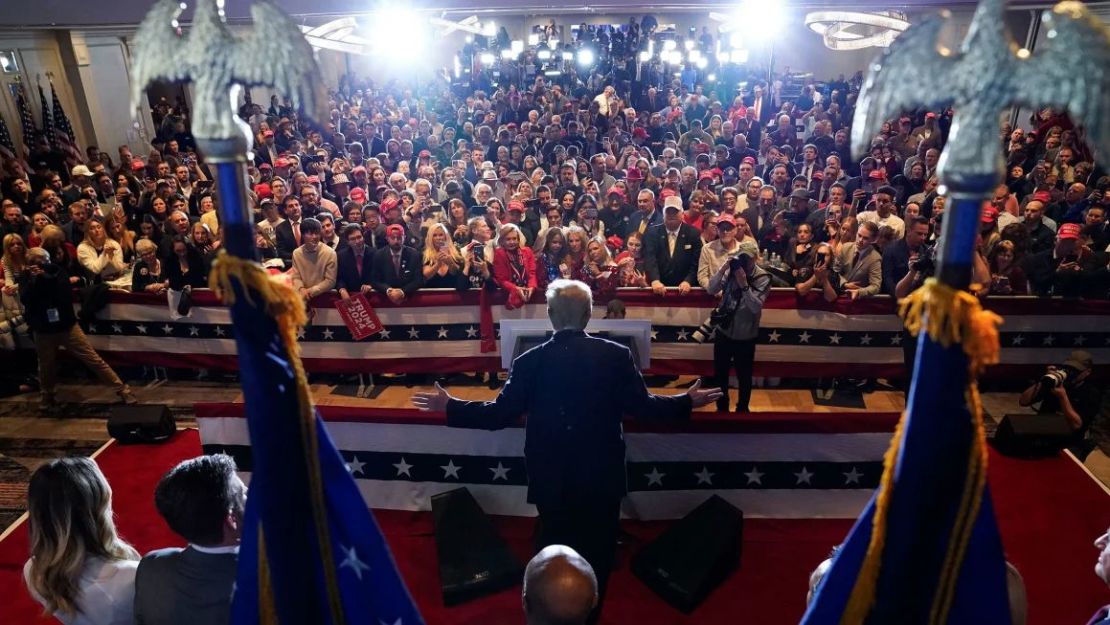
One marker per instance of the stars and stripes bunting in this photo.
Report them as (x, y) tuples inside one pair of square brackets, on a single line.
[(779, 465), (65, 138)]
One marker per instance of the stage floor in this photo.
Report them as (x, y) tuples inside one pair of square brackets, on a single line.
[(1049, 512)]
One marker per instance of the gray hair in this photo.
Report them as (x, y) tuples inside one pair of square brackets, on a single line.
[(569, 304), (38, 253)]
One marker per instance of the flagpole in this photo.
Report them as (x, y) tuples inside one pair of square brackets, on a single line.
[(229, 157)]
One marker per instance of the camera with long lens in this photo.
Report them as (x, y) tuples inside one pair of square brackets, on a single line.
[(721, 316), (1060, 376), (926, 262)]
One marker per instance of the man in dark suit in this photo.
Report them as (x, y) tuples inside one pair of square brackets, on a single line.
[(671, 251), (395, 271), (574, 446), (202, 500), (287, 234), (355, 261)]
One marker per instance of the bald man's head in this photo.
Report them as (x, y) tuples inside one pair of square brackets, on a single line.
[(559, 588)]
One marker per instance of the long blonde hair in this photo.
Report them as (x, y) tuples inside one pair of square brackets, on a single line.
[(431, 254), (70, 519), (10, 262)]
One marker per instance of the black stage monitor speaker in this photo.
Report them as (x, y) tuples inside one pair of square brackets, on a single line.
[(141, 424), (473, 560), (1032, 435), (694, 555)]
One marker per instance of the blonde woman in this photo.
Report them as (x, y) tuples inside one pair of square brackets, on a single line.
[(99, 255), (13, 261), (601, 272), (118, 232), (444, 266), (80, 570)]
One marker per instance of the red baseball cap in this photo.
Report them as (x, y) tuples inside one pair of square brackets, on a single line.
[(267, 133), (877, 174), (1042, 196), (314, 179), (424, 154), (389, 204), (748, 159), (136, 165), (357, 194), (281, 162), (666, 193), (639, 133), (930, 115), (726, 218), (705, 175), (989, 215), (633, 173), (616, 191), (516, 205), (396, 229), (263, 190), (1068, 231), (265, 166)]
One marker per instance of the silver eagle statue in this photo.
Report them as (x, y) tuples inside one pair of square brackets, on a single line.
[(1069, 71), (275, 54)]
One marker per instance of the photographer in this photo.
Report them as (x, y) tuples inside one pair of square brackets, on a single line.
[(1066, 390), (909, 261), (744, 287)]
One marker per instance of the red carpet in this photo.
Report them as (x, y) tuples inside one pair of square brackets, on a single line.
[(1049, 511)]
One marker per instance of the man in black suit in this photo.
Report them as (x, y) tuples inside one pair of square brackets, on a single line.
[(287, 234), (355, 261), (202, 500), (395, 271), (672, 250), (574, 446)]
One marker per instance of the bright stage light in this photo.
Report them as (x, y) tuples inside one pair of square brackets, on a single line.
[(458, 67), (722, 56), (490, 29), (533, 39), (689, 44), (702, 62), (712, 77), (586, 57), (568, 56), (669, 45), (761, 20), (694, 56), (543, 55), (736, 40), (552, 43), (674, 57), (645, 56), (399, 33), (469, 39), (487, 58), (507, 53), (740, 56)]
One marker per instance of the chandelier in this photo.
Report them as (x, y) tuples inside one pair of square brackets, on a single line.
[(856, 30)]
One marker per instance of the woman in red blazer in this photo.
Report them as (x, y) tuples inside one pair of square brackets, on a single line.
[(514, 266)]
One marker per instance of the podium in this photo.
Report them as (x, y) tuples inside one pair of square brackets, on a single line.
[(520, 335)]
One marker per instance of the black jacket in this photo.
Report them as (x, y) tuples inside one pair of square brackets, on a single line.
[(672, 270), (47, 300), (347, 274), (574, 441), (384, 277)]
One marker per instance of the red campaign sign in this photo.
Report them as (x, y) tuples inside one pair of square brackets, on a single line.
[(359, 316)]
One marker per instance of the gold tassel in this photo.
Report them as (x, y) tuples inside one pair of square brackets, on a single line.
[(288, 310), (950, 316)]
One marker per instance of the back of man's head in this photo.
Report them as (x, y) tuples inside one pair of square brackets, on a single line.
[(560, 588), (197, 496), (569, 304)]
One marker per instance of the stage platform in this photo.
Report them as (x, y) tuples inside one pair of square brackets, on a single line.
[(1049, 511)]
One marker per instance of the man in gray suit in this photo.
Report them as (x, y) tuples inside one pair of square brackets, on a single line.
[(202, 500), (859, 264)]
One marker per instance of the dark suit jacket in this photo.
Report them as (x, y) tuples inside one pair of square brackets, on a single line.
[(284, 241), (384, 277), (574, 442), (347, 274), (184, 586), (672, 270)]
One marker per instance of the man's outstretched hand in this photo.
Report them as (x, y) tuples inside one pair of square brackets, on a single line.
[(698, 396), (433, 402)]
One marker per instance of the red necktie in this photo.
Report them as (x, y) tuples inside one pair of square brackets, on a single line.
[(297, 232)]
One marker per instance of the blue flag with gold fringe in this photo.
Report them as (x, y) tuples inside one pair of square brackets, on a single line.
[(311, 551)]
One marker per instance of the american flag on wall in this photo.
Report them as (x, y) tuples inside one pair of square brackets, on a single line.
[(7, 147), (26, 120), (47, 121), (64, 137)]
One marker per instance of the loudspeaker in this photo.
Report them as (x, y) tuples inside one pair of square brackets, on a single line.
[(694, 555), (1032, 435), (141, 424), (473, 559)]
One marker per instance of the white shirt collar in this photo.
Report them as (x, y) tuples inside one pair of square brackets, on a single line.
[(216, 550)]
